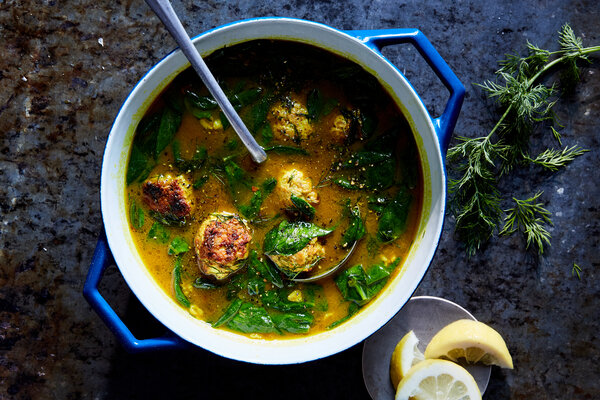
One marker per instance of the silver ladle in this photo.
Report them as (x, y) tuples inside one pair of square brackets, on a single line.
[(329, 271), (165, 12)]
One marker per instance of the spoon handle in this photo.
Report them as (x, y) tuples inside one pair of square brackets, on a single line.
[(165, 12)]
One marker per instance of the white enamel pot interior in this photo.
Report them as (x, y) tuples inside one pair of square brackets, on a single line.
[(231, 345)]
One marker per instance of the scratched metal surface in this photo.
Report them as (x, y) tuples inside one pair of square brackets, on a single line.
[(66, 67)]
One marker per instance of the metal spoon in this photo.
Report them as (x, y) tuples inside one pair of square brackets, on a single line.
[(165, 12), (329, 271)]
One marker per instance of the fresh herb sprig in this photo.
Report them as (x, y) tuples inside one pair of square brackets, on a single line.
[(481, 161), (576, 270)]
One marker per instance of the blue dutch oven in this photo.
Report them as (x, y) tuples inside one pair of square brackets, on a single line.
[(432, 136)]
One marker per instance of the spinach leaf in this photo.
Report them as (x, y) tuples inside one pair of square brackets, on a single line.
[(176, 148), (329, 106), (352, 285), (143, 149), (365, 159), (224, 121), (229, 313), (173, 98), (145, 136), (258, 114), (179, 295), (167, 219), (265, 269), (136, 214), (409, 166), (385, 142), (234, 173), (266, 133), (158, 232), (232, 176), (250, 319), (381, 176), (373, 245), (277, 299), (256, 285), (289, 238), (281, 149), (199, 114), (352, 309), (356, 229), (200, 181), (348, 183), (201, 283), (314, 104), (232, 144), (236, 285), (392, 222), (362, 123), (195, 163), (244, 98), (378, 203), (379, 272), (139, 165), (303, 206), (251, 210), (368, 124), (178, 246), (315, 296), (204, 103), (199, 106), (169, 124), (367, 170), (359, 286), (293, 322)]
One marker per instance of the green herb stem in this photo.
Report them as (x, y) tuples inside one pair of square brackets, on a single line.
[(475, 196)]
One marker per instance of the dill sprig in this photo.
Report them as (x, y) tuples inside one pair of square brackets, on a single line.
[(554, 159), (481, 161), (530, 218), (576, 270)]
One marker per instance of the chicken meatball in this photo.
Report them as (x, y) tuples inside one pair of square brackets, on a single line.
[(289, 120), (169, 198), (222, 242), (302, 261), (340, 128), (293, 182)]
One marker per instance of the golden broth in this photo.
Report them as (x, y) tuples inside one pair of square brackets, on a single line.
[(325, 153)]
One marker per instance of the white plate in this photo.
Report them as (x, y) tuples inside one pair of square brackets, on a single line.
[(425, 315)]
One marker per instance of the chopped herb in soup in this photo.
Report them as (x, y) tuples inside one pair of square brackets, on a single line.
[(233, 241)]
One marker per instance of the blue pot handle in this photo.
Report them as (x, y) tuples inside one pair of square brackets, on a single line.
[(101, 260), (377, 39)]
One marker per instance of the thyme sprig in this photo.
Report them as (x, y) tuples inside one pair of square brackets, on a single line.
[(481, 161)]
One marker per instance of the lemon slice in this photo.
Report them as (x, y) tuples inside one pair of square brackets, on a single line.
[(472, 340), (438, 380), (405, 355)]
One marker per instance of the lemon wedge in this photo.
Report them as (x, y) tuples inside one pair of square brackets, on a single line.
[(472, 340), (438, 380), (405, 355)]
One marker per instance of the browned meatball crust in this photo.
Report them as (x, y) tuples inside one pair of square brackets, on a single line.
[(221, 242), (168, 197)]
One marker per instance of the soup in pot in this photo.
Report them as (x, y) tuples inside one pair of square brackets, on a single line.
[(244, 246)]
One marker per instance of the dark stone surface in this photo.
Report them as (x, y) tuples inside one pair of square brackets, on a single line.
[(65, 68)]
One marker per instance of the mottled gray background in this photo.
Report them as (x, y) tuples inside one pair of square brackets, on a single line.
[(65, 68)]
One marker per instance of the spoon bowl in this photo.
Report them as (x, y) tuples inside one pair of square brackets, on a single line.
[(330, 271)]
